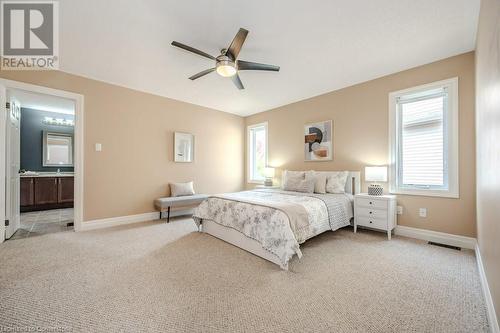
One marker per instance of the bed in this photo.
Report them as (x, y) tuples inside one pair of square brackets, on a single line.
[(272, 223)]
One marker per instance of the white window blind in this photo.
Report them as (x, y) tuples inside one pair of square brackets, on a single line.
[(257, 149), (422, 139), (423, 132)]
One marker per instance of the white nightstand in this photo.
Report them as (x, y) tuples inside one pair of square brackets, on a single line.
[(274, 187), (376, 212)]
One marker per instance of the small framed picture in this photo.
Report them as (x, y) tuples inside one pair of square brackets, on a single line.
[(183, 147), (318, 141)]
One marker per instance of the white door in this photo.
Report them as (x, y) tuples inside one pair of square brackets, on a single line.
[(3, 127), (12, 167)]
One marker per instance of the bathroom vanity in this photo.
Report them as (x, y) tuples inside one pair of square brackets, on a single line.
[(48, 190)]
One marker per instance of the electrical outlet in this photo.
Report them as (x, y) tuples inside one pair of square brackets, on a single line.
[(98, 147), (400, 210), (422, 212)]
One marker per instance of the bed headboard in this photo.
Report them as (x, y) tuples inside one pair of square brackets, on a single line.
[(353, 184)]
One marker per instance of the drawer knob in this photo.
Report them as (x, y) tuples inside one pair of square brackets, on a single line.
[(371, 212), (371, 222), (371, 203)]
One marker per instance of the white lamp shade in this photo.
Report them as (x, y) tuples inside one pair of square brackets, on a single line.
[(269, 172), (376, 174)]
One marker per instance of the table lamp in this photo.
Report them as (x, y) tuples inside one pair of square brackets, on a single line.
[(375, 174), (269, 174)]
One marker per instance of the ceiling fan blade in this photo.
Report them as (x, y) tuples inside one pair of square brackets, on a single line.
[(192, 49), (235, 47), (237, 82), (202, 73), (255, 66)]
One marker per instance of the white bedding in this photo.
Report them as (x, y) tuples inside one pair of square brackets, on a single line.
[(278, 220)]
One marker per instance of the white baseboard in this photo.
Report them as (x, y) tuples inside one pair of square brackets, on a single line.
[(437, 237), (122, 220), (490, 307)]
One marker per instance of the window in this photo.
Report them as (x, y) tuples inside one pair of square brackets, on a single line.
[(424, 140), (257, 152)]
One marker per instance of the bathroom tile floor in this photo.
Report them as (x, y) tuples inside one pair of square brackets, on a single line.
[(44, 222)]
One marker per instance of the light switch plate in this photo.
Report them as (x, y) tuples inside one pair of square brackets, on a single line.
[(98, 147), (422, 212), (400, 210)]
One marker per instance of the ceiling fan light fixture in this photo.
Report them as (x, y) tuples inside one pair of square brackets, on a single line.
[(227, 63), (226, 68)]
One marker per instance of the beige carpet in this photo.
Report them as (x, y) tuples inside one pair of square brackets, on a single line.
[(166, 277)]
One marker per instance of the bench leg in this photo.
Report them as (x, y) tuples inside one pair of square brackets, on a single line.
[(168, 214)]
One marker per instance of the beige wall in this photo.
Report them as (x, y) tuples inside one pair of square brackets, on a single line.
[(360, 116), (136, 131), (488, 143)]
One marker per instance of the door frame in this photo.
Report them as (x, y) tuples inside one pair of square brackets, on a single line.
[(79, 143)]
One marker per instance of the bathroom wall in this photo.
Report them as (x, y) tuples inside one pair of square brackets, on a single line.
[(32, 128)]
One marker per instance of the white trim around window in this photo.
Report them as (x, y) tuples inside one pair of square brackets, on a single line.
[(250, 158), (450, 189)]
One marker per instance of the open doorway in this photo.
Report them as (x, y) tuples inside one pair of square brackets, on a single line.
[(41, 148), (43, 139)]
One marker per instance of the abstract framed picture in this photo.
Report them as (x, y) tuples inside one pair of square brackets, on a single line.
[(318, 141), (183, 147)]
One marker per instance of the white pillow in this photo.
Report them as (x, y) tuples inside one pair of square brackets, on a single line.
[(181, 189), (298, 181), (300, 185), (320, 182), (287, 174), (335, 181)]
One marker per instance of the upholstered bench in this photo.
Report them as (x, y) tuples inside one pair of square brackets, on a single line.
[(163, 204)]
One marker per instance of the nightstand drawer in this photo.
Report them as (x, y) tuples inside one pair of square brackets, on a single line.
[(371, 212), (372, 203), (371, 223)]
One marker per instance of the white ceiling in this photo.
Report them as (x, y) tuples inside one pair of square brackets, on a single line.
[(320, 45), (43, 102)]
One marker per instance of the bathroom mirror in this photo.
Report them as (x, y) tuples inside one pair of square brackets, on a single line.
[(57, 149)]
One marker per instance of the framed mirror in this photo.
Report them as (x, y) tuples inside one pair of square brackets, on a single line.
[(183, 147), (57, 149)]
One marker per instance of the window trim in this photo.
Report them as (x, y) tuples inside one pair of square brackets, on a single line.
[(452, 139), (249, 151)]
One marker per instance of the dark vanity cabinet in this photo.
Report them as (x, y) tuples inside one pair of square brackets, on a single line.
[(45, 191), (65, 190), (27, 192), (40, 193)]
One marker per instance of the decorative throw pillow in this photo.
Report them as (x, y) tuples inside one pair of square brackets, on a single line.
[(299, 181), (335, 182), (181, 189), (300, 185), (287, 174), (320, 182)]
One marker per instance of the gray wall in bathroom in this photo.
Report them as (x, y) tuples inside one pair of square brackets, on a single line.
[(32, 129)]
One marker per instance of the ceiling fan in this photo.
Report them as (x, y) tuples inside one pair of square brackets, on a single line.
[(227, 63)]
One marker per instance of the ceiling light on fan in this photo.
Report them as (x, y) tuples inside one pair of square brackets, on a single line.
[(227, 63), (225, 66)]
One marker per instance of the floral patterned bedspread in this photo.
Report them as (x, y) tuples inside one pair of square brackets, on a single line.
[(278, 220)]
